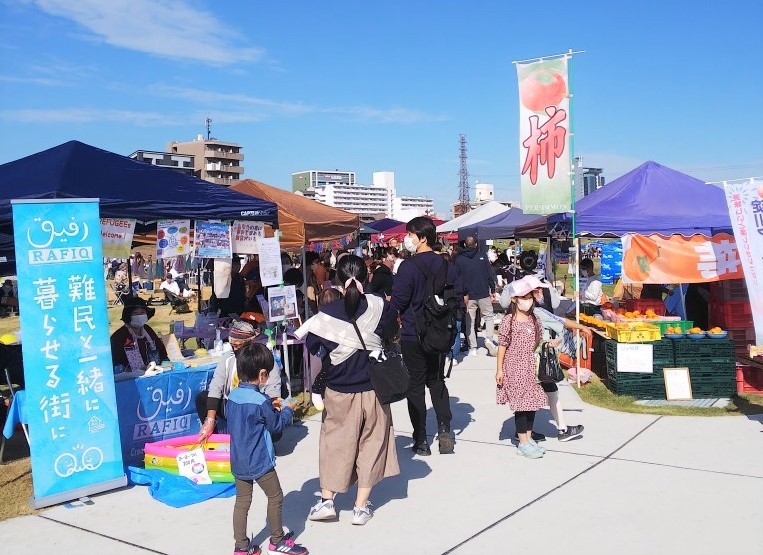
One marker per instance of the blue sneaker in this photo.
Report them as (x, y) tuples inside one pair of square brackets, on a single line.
[(529, 450), (539, 447), (287, 547)]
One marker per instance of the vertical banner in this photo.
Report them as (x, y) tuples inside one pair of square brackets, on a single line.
[(246, 235), (745, 202), (212, 240), (544, 139), (71, 406), (173, 238), (679, 259), (116, 235)]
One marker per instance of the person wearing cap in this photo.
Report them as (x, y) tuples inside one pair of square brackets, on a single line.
[(519, 337), (210, 404), (136, 344), (549, 323)]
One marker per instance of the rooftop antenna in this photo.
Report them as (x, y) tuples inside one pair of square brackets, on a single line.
[(208, 123), (463, 183)]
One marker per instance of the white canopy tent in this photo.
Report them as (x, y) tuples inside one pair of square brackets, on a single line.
[(487, 210)]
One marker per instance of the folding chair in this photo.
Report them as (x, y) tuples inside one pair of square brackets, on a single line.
[(119, 293), (177, 304)]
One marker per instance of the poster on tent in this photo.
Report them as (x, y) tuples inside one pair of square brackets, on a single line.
[(745, 202), (544, 138), (116, 236), (246, 235), (282, 303), (71, 406), (173, 238), (679, 259), (212, 240), (271, 272)]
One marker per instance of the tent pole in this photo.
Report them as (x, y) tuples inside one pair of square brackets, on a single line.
[(304, 281)]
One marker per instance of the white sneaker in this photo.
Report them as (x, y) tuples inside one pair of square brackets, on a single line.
[(455, 362), (362, 515), (472, 352), (492, 348), (322, 510)]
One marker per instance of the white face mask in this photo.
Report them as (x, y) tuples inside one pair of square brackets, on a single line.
[(139, 320), (524, 304), (409, 245)]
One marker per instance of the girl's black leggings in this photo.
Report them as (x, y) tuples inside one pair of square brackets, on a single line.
[(523, 420)]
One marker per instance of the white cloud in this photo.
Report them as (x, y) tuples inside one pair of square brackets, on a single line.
[(43, 81), (170, 29), (87, 115), (267, 108)]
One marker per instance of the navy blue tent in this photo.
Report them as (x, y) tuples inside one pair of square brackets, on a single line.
[(384, 224), (501, 226), (126, 188)]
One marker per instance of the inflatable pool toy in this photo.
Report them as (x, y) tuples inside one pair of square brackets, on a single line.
[(161, 455)]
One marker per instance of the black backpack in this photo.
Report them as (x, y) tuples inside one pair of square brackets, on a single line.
[(436, 322)]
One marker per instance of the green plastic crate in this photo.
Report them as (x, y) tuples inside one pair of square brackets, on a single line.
[(685, 325)]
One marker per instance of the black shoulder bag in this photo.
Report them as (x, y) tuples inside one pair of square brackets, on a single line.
[(549, 369), (388, 373)]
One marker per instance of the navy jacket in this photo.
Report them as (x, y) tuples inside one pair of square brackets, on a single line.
[(251, 419), (476, 273), (351, 376), (409, 289)]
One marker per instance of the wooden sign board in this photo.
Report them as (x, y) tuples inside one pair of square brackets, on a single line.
[(677, 384)]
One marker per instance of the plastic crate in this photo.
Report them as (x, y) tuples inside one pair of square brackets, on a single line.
[(703, 348), (685, 325), (643, 305), (749, 379), (731, 314), (729, 290), (644, 333)]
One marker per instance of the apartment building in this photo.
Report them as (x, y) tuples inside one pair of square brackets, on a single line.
[(216, 161), (184, 163)]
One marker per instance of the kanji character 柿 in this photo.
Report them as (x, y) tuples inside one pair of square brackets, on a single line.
[(545, 143), (717, 259), (46, 293)]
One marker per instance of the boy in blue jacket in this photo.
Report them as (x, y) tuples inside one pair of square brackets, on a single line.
[(252, 418)]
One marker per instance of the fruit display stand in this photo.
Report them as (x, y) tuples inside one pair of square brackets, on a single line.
[(639, 385), (711, 365)]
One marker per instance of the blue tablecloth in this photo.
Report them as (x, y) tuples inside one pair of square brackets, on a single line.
[(149, 409)]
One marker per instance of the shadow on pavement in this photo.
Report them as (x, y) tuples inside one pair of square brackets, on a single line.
[(290, 438)]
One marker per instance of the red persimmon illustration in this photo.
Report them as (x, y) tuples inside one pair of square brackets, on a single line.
[(542, 88)]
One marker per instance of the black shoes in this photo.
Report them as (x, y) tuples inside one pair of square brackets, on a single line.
[(445, 441), (570, 433), (421, 449)]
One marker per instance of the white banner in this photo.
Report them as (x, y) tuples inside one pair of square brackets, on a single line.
[(271, 272), (116, 236), (173, 238), (745, 202), (246, 235)]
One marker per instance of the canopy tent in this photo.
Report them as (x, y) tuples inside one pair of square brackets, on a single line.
[(487, 210), (126, 188), (398, 232), (501, 226), (302, 220), (536, 228), (649, 199), (384, 224)]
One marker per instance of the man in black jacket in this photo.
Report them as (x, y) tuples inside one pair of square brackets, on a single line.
[(426, 369), (478, 278)]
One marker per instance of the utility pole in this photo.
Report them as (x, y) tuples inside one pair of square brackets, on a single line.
[(463, 182)]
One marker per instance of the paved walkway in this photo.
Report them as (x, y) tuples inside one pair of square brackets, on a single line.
[(633, 484)]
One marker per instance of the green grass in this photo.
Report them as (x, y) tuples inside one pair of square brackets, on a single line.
[(596, 393)]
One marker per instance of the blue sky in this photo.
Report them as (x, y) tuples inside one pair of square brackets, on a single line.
[(372, 86)]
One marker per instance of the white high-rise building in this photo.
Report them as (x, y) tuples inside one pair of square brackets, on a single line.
[(483, 192), (369, 202)]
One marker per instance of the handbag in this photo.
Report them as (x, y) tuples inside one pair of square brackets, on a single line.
[(549, 369), (389, 376)]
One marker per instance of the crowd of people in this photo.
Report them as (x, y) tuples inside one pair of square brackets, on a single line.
[(362, 302)]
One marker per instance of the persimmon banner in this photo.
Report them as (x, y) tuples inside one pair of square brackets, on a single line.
[(544, 138), (679, 259)]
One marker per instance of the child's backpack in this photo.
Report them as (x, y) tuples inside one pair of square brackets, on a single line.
[(436, 322)]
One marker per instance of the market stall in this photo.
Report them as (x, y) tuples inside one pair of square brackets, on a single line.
[(479, 214), (501, 226), (650, 204)]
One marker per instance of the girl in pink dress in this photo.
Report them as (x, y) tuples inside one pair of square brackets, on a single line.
[(519, 337)]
